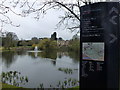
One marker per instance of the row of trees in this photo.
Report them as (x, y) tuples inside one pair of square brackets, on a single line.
[(10, 39), (70, 20), (74, 45), (48, 44)]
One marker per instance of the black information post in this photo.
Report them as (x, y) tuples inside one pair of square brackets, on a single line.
[(100, 45)]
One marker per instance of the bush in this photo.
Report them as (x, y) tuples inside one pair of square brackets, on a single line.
[(47, 44), (74, 45)]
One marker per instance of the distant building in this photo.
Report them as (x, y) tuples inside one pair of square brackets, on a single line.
[(61, 43)]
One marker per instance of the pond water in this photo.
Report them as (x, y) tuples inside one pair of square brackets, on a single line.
[(41, 67)]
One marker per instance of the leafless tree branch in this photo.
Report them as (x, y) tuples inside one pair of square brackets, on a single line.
[(70, 20)]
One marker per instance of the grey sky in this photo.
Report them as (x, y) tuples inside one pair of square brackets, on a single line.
[(29, 27)]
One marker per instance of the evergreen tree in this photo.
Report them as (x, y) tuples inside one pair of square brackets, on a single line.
[(53, 36)]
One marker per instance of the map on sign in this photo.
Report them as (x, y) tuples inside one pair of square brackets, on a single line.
[(93, 51)]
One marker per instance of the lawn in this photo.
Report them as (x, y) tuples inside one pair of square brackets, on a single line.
[(11, 87), (8, 86)]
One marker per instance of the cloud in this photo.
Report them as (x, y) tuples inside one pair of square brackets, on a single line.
[(29, 27)]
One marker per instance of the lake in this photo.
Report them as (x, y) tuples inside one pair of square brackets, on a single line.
[(41, 67)]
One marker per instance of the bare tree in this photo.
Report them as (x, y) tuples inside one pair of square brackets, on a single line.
[(70, 20)]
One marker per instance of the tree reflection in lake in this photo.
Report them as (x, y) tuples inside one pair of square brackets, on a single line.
[(48, 54), (51, 55), (45, 54), (43, 68), (8, 57), (75, 56), (54, 55)]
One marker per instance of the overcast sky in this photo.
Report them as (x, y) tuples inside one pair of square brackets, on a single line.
[(29, 27)]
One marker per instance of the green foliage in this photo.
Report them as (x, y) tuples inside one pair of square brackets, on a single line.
[(74, 88), (47, 44), (33, 46), (53, 36), (74, 45), (74, 55), (11, 87), (47, 54), (9, 40), (68, 83), (23, 43), (35, 40), (4, 85), (67, 70)]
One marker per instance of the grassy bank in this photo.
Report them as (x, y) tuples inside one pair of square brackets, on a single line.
[(16, 48), (11, 87), (74, 88), (7, 86)]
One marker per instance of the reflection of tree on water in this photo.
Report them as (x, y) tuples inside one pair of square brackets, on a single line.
[(45, 54), (14, 78), (61, 54), (73, 55), (49, 54), (56, 54), (11, 56), (21, 53), (8, 58), (53, 55), (33, 54)]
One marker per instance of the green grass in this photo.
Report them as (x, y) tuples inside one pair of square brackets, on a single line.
[(11, 87), (16, 48), (74, 88)]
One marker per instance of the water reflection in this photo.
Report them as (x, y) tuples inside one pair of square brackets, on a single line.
[(48, 54), (45, 67), (36, 54), (10, 57), (21, 53), (75, 56)]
